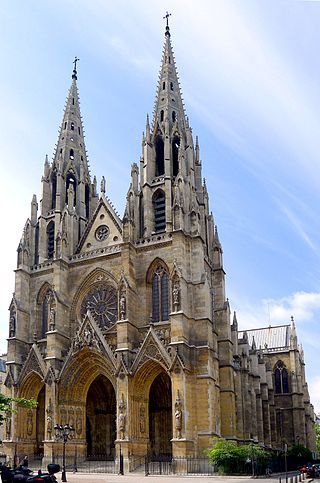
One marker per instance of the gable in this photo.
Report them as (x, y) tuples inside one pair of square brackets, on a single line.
[(104, 229)]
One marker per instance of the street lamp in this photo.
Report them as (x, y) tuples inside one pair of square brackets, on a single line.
[(63, 433)]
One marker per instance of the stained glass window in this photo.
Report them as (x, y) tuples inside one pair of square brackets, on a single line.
[(160, 295)]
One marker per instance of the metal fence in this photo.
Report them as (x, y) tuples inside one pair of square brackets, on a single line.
[(178, 466)]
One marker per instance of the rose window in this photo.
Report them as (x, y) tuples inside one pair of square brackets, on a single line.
[(102, 302)]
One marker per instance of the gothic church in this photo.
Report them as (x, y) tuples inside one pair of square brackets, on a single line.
[(121, 327)]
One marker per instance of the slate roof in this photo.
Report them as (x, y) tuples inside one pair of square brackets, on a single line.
[(277, 337)]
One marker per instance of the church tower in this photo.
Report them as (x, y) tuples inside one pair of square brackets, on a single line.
[(121, 327)]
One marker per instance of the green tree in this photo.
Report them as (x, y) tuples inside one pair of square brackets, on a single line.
[(6, 405), (300, 451), (317, 431), (231, 458)]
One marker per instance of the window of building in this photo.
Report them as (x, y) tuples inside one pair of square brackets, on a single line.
[(281, 382), (71, 154), (159, 209), (163, 85), (173, 116), (160, 295), (171, 86), (50, 239), (175, 155), (159, 148), (161, 115), (53, 191), (72, 126)]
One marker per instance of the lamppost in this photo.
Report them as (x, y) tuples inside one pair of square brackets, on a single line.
[(63, 433)]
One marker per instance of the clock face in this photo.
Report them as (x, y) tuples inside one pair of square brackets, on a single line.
[(102, 232), (102, 302)]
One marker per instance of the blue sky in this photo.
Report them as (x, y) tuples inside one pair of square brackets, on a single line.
[(250, 75)]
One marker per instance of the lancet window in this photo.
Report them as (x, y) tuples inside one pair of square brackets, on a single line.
[(159, 209), (159, 149), (160, 295), (50, 239), (281, 381)]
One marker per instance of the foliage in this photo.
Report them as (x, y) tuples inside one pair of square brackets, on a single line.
[(6, 405), (298, 450), (317, 431), (230, 457)]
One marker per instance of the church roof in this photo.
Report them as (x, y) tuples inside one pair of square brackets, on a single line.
[(272, 338)]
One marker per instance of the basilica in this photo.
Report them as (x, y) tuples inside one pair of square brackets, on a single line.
[(121, 327)]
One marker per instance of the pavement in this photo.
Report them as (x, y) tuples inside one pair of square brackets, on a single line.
[(137, 478)]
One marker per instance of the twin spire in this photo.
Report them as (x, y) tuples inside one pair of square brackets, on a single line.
[(168, 103)]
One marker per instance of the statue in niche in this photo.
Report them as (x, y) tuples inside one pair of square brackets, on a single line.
[(142, 418), (12, 324), (52, 319), (79, 423), (176, 295), (178, 416), (49, 419), (70, 195), (8, 425), (122, 304), (122, 418), (30, 423)]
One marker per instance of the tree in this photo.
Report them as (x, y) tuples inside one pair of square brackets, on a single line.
[(230, 457), (6, 405), (317, 431), (300, 451)]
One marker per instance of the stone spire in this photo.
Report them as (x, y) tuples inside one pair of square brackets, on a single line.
[(168, 104), (70, 150)]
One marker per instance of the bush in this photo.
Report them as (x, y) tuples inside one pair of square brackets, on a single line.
[(231, 458)]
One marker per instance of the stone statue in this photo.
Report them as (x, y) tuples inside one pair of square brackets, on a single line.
[(12, 325), (122, 418), (178, 416), (52, 319), (123, 304), (176, 295), (49, 419), (30, 423), (79, 422), (8, 425), (142, 418), (103, 185)]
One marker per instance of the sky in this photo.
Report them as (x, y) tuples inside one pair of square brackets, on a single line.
[(250, 75)]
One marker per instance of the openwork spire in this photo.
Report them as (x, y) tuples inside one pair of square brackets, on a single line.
[(168, 103), (70, 153)]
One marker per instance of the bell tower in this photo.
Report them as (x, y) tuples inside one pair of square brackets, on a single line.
[(67, 192)]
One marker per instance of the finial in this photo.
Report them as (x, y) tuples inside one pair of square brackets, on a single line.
[(74, 74), (167, 15)]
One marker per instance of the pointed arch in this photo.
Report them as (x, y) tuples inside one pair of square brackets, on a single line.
[(50, 239), (159, 210), (71, 180), (46, 306), (175, 154), (53, 190), (158, 279), (159, 155), (281, 379)]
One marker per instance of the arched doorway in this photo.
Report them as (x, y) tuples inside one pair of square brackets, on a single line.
[(40, 418), (101, 418), (160, 416)]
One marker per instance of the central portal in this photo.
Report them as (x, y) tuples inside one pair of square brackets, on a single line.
[(101, 419), (160, 416)]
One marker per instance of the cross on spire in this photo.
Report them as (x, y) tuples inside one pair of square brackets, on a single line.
[(74, 74), (167, 15)]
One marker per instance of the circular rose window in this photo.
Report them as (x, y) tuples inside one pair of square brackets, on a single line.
[(102, 302), (102, 232)]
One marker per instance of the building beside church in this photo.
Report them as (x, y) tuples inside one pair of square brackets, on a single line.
[(122, 328)]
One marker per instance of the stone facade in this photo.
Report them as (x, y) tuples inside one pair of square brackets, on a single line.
[(121, 327)]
